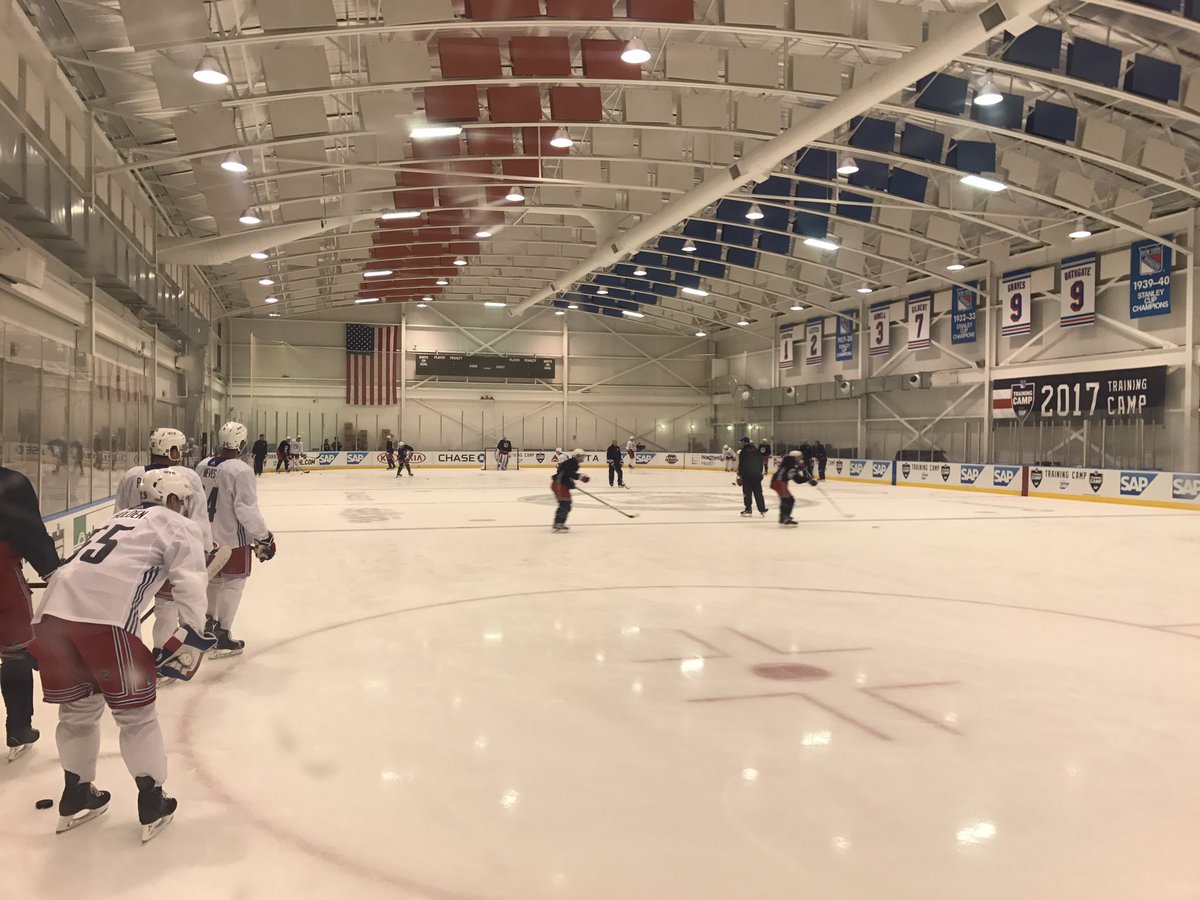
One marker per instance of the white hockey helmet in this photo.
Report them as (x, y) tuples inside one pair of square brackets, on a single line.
[(232, 436), (168, 442), (795, 454), (578, 454), (159, 484)]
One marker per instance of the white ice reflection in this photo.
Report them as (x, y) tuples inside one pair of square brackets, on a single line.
[(816, 738), (692, 666), (509, 799), (749, 775), (976, 834)]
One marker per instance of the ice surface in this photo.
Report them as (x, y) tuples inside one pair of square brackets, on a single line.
[(946, 696)]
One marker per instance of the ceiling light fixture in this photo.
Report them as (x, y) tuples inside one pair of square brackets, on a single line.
[(633, 314), (572, 306), (825, 243), (1080, 231), (561, 139), (494, 303), (483, 233), (459, 261), (422, 305), (424, 132), (209, 71), (377, 273), (266, 282), (426, 299), (754, 213), (639, 271), (701, 334), (695, 292), (797, 307), (865, 290), (515, 195), (271, 300), (847, 166), (743, 322), (258, 254), (689, 247), (232, 163), (366, 299), (441, 282), (401, 214), (602, 292), (986, 92), (956, 266), (273, 315), (250, 217), (983, 183), (635, 52), (560, 312)]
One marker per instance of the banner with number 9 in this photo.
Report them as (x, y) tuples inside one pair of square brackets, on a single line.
[(1016, 309)]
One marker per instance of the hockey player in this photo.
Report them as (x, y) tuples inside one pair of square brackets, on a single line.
[(259, 451), (166, 449), (22, 536), (822, 457), (730, 458), (237, 523), (503, 449), (614, 465), (631, 449), (296, 452), (791, 468), (89, 654), (283, 454), (564, 479), (389, 452), (750, 475), (764, 450), (403, 454)]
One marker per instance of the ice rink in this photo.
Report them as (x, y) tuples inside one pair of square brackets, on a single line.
[(914, 694)]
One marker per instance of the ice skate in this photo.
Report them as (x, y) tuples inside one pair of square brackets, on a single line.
[(226, 645), (746, 512), (788, 521), (80, 803), (560, 527), (20, 739), (209, 624), (155, 809)]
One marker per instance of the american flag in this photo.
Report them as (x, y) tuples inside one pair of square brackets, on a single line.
[(372, 364)]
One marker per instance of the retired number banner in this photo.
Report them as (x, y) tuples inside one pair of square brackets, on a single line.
[(814, 342), (1016, 311), (880, 340), (785, 347), (920, 314), (1078, 291)]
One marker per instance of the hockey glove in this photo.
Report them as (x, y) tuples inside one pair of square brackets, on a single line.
[(180, 656), (739, 481), (265, 549), (585, 478)]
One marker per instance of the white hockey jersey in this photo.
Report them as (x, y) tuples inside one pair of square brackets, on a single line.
[(196, 507), (232, 502), (115, 575)]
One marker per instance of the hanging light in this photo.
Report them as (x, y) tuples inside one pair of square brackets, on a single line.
[(743, 322), (754, 213), (865, 289), (633, 314), (635, 52), (483, 233), (441, 282), (561, 139), (983, 183), (688, 246), (986, 92), (515, 195), (424, 132), (572, 306), (209, 71), (494, 303), (1080, 231), (956, 265), (271, 300), (825, 243), (459, 261), (233, 163), (560, 312), (695, 292), (258, 254), (797, 307), (401, 214), (250, 217), (701, 334), (602, 291), (366, 300), (847, 166), (266, 282), (423, 304), (273, 315), (639, 271), (377, 273)]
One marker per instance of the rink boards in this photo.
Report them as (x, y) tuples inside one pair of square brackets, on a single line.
[(527, 459)]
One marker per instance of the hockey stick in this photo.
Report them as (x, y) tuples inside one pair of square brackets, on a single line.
[(606, 503), (841, 512), (215, 565)]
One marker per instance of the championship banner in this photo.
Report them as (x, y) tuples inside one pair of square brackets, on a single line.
[(920, 316), (1016, 314), (880, 340), (1078, 291), (1149, 280), (844, 343), (963, 302), (785, 346), (1111, 394), (814, 342)]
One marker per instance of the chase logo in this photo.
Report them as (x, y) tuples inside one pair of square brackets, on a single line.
[(354, 457), (1185, 487), (879, 469), (1134, 484), (969, 474), (326, 459), (856, 467), (1002, 476)]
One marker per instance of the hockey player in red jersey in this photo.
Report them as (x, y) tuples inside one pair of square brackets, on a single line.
[(791, 468), (89, 654), (564, 479)]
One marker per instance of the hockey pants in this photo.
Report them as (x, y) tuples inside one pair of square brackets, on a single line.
[(786, 501), (16, 684), (752, 490), (401, 466), (391, 461), (78, 738), (564, 503), (259, 463), (224, 598), (821, 469)]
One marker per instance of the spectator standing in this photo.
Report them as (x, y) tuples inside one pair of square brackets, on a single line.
[(750, 477), (259, 451)]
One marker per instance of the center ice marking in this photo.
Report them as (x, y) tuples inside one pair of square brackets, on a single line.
[(789, 672)]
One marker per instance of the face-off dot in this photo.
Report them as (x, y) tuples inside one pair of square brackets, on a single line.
[(789, 672)]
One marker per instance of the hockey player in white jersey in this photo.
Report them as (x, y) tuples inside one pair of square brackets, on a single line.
[(166, 449), (86, 645), (236, 523)]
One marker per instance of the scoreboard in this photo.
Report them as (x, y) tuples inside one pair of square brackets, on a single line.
[(471, 365)]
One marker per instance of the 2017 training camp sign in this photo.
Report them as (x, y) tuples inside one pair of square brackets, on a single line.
[(1111, 394)]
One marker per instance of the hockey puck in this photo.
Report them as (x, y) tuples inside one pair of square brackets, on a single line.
[(44, 804)]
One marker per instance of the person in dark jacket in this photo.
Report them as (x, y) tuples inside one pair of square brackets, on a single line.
[(23, 536), (404, 453), (503, 451), (822, 458), (616, 463), (564, 479), (389, 452), (750, 476), (283, 455), (791, 468), (764, 450), (806, 452), (259, 452)]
